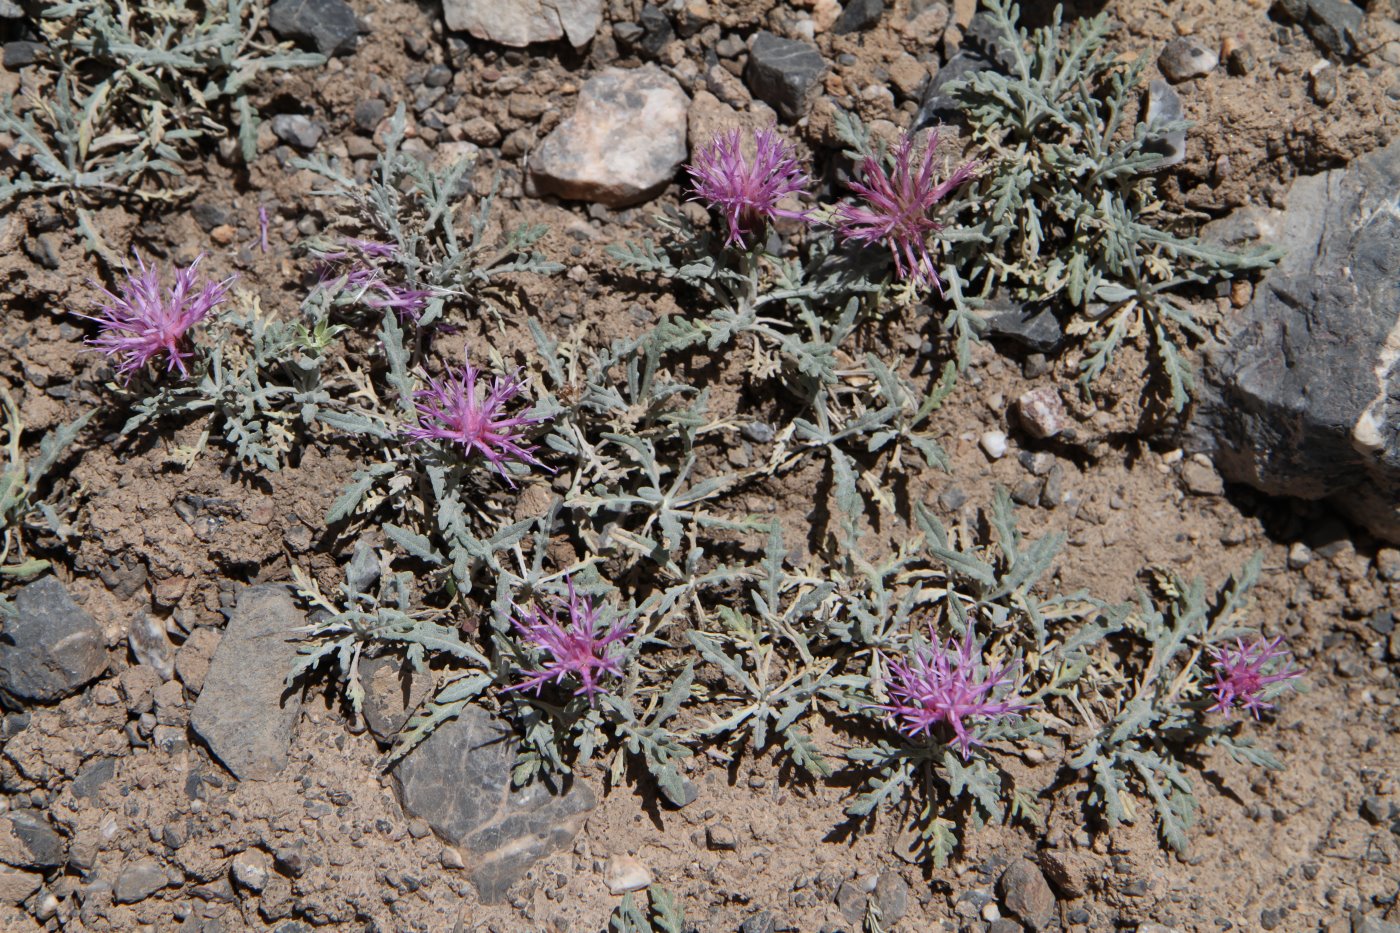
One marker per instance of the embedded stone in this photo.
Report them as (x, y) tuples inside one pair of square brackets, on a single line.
[(242, 713), (623, 142), (459, 782), (49, 648), (519, 23)]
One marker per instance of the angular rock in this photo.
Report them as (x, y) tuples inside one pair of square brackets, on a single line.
[(1025, 893), (150, 645), (28, 841), (519, 23), (1185, 58), (1333, 24), (1163, 108), (9, 9), (1042, 412), (625, 873), (49, 648), (241, 713), (891, 896), (656, 30), (983, 47), (16, 886), (294, 129), (330, 25), (138, 881), (393, 690), (92, 776), (785, 74), (459, 782), (623, 143), (21, 52), (1304, 397), (858, 15)]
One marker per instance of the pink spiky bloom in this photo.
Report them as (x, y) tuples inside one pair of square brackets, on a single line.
[(946, 682), (407, 302), (579, 649), (452, 410), (1242, 673), (747, 191), (899, 208), (145, 319)]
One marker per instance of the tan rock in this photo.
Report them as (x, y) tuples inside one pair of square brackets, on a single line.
[(623, 143)]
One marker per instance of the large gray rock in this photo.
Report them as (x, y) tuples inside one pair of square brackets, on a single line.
[(785, 74), (241, 713), (330, 25), (458, 781), (1334, 24), (28, 841), (622, 144), (1304, 397), (49, 648), (518, 23)]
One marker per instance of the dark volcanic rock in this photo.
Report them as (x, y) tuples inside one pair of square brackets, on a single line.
[(241, 713), (28, 841), (858, 15), (49, 647), (784, 73), (1304, 398), (330, 25), (1333, 24), (458, 781)]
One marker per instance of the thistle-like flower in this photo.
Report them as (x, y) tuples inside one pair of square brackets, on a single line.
[(407, 302), (746, 190), (578, 650), (899, 206), (452, 410), (1243, 673), (145, 319), (946, 682)]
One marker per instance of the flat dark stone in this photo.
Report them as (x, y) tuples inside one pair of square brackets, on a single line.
[(49, 648), (243, 713), (458, 781), (329, 25)]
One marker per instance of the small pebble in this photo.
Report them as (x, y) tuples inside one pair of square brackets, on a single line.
[(1042, 412), (1299, 556), (993, 444), (625, 873), (1183, 59)]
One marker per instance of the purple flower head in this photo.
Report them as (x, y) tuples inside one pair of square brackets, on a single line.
[(1244, 672), (146, 319), (898, 208), (407, 302), (452, 410), (946, 682), (579, 650), (746, 190)]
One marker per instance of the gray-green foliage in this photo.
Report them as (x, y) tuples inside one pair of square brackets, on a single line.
[(1149, 730), (660, 915), (363, 623), (19, 483), (1065, 210), (260, 384), (127, 93), (994, 587), (414, 206)]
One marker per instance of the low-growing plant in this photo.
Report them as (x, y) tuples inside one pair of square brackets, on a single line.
[(19, 486), (1148, 734), (400, 238), (128, 91), (660, 915), (1064, 210)]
